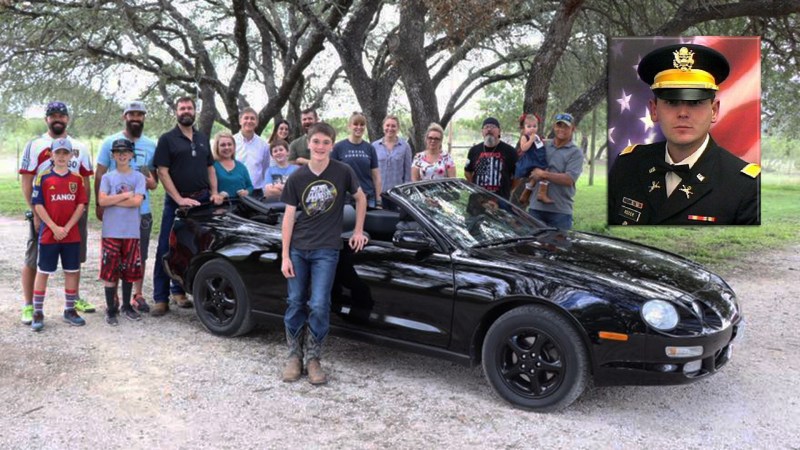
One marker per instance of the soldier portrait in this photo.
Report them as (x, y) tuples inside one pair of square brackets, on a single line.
[(684, 135)]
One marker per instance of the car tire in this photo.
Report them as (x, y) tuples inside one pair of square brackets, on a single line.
[(535, 359), (220, 299)]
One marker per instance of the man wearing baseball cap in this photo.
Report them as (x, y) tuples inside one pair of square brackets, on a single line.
[(564, 167), (36, 158), (687, 179), (491, 163), (133, 116)]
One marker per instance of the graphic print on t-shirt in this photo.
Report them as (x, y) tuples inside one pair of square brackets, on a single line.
[(318, 197), (278, 179), (123, 188), (488, 170)]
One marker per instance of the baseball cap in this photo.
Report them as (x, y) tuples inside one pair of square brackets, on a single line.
[(136, 105), (122, 145), (565, 118), (56, 108), (684, 71), (491, 121), (61, 144)]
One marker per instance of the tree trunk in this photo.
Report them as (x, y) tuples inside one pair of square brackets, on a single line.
[(410, 58), (537, 86)]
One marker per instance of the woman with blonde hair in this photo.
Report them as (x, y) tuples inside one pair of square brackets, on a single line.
[(394, 156), (232, 176), (432, 163)]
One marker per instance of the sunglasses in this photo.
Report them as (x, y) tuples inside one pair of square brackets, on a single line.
[(564, 116)]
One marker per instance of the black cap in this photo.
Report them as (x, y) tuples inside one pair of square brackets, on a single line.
[(56, 108), (684, 71), (491, 121), (122, 145)]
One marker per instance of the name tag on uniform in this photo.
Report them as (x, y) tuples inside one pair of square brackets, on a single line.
[(629, 213)]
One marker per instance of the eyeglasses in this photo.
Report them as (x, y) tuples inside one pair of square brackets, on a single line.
[(432, 138)]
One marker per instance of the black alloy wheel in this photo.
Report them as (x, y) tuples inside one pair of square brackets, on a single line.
[(221, 300), (535, 359)]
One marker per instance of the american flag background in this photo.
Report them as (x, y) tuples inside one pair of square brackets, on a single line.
[(738, 127)]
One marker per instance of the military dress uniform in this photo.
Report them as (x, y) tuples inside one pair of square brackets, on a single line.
[(719, 189)]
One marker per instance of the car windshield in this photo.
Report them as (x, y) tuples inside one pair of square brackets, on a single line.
[(470, 215)]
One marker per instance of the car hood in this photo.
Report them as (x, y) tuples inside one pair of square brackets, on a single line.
[(587, 258)]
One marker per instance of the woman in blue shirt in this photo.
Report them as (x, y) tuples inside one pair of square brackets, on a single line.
[(232, 176)]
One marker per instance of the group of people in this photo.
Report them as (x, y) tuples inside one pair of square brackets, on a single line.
[(314, 176)]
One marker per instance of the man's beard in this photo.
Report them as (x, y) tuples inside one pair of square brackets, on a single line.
[(134, 128), (490, 141), (186, 120), (57, 128)]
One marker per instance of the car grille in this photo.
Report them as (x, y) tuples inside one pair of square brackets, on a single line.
[(699, 317)]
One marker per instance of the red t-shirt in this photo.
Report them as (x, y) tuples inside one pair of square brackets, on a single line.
[(60, 195)]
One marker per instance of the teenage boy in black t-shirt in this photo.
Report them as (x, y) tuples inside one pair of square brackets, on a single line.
[(311, 245)]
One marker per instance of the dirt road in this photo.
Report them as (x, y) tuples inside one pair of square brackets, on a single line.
[(166, 383)]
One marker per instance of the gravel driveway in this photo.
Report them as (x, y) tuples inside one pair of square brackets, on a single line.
[(166, 383)]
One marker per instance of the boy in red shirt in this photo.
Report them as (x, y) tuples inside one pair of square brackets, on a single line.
[(59, 199)]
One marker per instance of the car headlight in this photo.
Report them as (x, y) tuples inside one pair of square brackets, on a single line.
[(660, 315)]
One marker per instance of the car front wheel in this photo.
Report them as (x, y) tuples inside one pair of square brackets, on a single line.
[(535, 359), (221, 299)]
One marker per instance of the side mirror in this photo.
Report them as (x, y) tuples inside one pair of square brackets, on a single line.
[(412, 240)]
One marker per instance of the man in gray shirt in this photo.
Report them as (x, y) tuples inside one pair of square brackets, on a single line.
[(565, 164)]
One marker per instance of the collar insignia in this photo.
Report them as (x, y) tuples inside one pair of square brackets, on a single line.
[(701, 177), (686, 190), (654, 185), (652, 169)]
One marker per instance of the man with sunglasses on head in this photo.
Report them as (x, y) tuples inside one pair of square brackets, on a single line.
[(186, 169), (35, 159), (564, 166)]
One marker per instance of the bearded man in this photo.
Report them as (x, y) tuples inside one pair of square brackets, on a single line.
[(185, 167), (491, 163), (144, 148)]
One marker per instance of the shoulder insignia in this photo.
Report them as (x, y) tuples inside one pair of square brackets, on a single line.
[(628, 149), (752, 170)]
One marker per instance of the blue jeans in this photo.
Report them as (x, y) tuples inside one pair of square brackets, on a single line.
[(316, 307), (162, 284), (553, 219)]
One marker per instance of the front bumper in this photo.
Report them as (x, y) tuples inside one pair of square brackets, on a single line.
[(656, 368)]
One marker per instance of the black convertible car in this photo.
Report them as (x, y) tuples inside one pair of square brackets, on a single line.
[(461, 274)]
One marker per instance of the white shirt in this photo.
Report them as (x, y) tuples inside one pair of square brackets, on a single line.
[(672, 179), (254, 154)]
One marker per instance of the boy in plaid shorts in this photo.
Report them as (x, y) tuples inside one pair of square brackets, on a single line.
[(121, 193), (59, 199)]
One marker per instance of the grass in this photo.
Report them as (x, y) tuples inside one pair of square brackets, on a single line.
[(720, 247)]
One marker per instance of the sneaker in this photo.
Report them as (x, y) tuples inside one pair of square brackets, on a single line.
[(140, 304), (27, 314), (159, 309), (111, 318), (182, 301), (71, 317), (37, 321), (84, 306), (131, 314)]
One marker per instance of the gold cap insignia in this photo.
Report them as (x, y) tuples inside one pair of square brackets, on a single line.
[(684, 59)]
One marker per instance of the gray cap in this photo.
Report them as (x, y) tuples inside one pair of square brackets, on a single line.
[(136, 105), (61, 144)]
